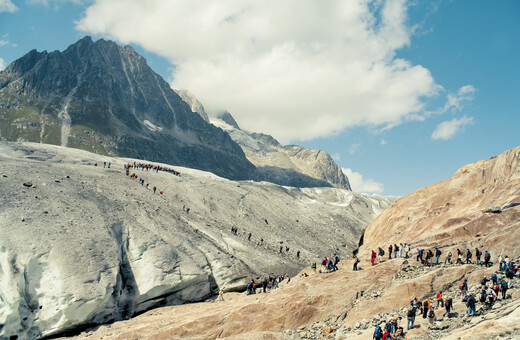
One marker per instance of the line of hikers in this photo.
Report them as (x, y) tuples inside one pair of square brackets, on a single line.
[(429, 257), (149, 167), (328, 264), (396, 250), (268, 283)]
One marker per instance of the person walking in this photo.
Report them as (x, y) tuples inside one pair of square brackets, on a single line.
[(411, 318), (471, 305), (221, 295), (373, 257), (431, 318), (448, 304), (487, 259), (356, 261), (448, 258), (478, 254)]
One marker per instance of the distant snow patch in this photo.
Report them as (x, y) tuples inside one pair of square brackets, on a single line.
[(151, 126)]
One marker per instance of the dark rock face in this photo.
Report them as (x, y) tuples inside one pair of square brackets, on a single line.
[(102, 97)]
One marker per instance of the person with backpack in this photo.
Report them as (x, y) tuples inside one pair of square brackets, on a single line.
[(378, 333), (396, 249), (373, 257), (448, 304), (471, 302), (381, 254), (313, 266), (503, 288), (431, 318), (387, 335), (437, 255), (494, 278), (411, 318), (356, 261), (388, 328), (487, 259), (478, 254), (464, 288), (468, 257), (448, 258), (440, 301), (426, 306), (335, 263), (492, 296), (390, 252), (401, 247), (484, 281), (483, 295)]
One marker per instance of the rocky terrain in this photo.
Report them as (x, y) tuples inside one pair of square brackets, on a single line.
[(283, 164), (82, 243), (483, 211)]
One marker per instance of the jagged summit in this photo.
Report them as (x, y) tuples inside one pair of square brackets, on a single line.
[(102, 97), (283, 164)]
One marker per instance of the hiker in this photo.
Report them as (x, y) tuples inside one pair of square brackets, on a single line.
[(478, 254), (431, 318), (487, 258), (426, 306), (501, 262), (468, 257), (440, 301), (420, 255), (356, 261), (390, 252), (406, 249), (471, 305), (381, 254), (221, 295), (459, 257), (335, 263), (109, 165), (395, 324), (313, 265), (494, 278), (104, 164), (484, 282), (388, 331), (492, 296), (503, 288), (249, 237), (396, 249), (264, 285), (464, 288), (154, 189), (437, 255), (448, 258), (413, 303), (373, 257), (378, 333), (401, 247), (448, 304), (281, 248), (411, 317)]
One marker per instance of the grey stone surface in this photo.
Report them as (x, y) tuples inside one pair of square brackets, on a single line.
[(86, 244)]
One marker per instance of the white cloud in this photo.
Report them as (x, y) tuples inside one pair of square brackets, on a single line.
[(3, 42), (2, 64), (448, 129), (294, 69), (336, 157), (383, 142), (7, 6), (359, 184), (353, 148), (455, 102)]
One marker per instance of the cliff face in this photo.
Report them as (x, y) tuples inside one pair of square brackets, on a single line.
[(285, 165), (102, 97), (478, 207)]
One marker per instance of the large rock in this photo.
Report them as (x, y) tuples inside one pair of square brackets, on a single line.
[(95, 245)]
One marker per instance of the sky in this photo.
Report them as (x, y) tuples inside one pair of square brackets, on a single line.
[(400, 93)]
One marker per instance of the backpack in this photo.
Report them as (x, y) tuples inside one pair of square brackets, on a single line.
[(410, 313), (313, 265), (494, 277), (431, 314), (503, 284), (483, 281), (461, 286), (378, 332), (487, 256)]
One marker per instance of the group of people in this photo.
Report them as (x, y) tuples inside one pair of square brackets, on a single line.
[(401, 250), (328, 264), (490, 289), (267, 284), (147, 167)]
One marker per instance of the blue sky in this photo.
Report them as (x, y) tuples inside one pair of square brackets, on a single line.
[(402, 94)]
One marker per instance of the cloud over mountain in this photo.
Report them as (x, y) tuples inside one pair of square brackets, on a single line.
[(295, 70)]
